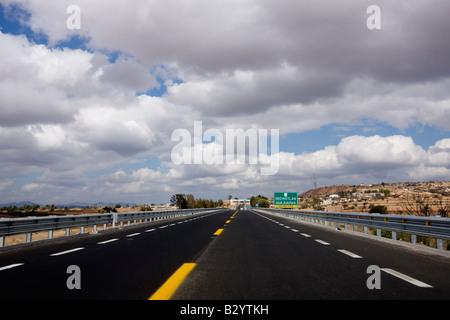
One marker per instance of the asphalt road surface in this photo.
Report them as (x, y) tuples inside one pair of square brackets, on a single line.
[(129, 263), (264, 257), (242, 255)]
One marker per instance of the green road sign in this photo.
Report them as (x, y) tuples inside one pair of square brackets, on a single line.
[(285, 199)]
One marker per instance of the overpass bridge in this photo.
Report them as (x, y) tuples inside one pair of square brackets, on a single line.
[(239, 201)]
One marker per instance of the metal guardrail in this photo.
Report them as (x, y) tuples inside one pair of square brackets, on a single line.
[(433, 227), (29, 225)]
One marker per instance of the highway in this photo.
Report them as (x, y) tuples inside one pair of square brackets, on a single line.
[(129, 263), (233, 255)]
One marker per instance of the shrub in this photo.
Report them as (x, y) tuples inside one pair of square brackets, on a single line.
[(378, 209)]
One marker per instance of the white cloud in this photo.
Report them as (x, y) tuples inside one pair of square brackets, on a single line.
[(48, 136), (290, 65), (353, 160), (439, 154), (377, 151), (129, 74), (369, 159), (6, 184)]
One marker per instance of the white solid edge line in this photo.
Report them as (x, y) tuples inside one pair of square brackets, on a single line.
[(64, 252), (351, 254), (406, 278), (107, 241), (11, 266)]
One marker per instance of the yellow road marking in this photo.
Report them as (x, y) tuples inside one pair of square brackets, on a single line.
[(169, 287), (218, 232), (228, 221)]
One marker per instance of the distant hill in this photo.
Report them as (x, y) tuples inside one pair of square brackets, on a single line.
[(68, 205), (398, 188), (323, 192), (18, 204)]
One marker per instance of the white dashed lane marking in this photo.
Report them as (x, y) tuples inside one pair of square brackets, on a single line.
[(65, 252), (350, 254), (322, 242), (11, 266), (132, 235), (305, 235), (15, 265), (394, 273), (406, 278), (107, 241)]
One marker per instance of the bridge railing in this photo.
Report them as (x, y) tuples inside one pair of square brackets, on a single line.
[(30, 225), (433, 227)]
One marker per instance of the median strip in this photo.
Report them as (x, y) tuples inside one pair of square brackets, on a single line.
[(169, 287)]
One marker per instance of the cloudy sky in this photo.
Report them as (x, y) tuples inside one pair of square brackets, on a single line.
[(87, 114)]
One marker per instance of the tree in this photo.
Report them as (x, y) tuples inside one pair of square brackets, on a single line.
[(144, 207), (252, 201), (421, 205), (418, 205), (190, 201), (179, 200), (443, 208), (263, 203), (183, 201)]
